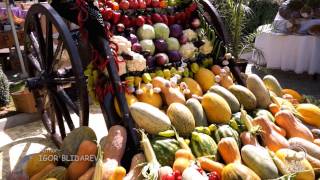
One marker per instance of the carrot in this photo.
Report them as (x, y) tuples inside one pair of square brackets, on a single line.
[(87, 149)]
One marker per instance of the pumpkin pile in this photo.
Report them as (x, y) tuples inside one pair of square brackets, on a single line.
[(195, 122)]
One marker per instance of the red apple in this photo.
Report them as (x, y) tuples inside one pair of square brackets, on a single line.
[(156, 18)]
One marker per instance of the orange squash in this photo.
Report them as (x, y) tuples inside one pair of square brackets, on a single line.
[(293, 127), (270, 137), (77, 168), (229, 150)]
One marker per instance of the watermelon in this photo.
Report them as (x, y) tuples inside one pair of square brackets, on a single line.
[(203, 145), (226, 131), (165, 149)]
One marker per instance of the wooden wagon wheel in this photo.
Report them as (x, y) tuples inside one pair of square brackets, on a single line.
[(54, 68)]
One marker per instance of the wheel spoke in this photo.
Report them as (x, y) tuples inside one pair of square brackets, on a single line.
[(40, 37), (64, 80), (66, 99), (35, 45), (58, 52), (49, 45), (66, 114), (34, 61), (59, 117)]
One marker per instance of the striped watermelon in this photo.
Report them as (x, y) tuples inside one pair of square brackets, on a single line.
[(203, 145), (238, 125), (165, 149)]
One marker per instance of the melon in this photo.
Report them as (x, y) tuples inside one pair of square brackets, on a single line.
[(260, 91), (205, 78), (150, 118), (181, 118), (216, 108), (130, 100), (197, 111), (310, 114), (150, 97), (244, 96), (193, 86), (228, 96), (273, 84)]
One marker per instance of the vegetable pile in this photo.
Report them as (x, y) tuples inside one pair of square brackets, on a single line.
[(195, 122)]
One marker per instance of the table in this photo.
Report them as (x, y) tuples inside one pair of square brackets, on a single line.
[(289, 52)]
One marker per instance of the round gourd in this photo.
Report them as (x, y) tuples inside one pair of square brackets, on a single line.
[(203, 145), (130, 100), (165, 149), (238, 171), (273, 84), (193, 86), (58, 172), (228, 96), (149, 118), (216, 108), (260, 91), (258, 159), (73, 140), (39, 161), (205, 78), (181, 118), (197, 111), (150, 97), (244, 96), (310, 114)]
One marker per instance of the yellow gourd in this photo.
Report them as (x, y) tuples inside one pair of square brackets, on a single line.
[(130, 100), (149, 96)]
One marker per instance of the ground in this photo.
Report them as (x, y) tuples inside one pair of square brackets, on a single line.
[(30, 138)]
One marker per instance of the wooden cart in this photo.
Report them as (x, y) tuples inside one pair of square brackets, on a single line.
[(56, 71)]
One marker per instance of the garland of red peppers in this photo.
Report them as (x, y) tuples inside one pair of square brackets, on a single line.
[(196, 122), (152, 38)]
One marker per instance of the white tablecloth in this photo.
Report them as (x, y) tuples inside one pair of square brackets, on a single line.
[(290, 52)]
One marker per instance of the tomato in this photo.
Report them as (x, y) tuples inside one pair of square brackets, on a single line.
[(169, 177)]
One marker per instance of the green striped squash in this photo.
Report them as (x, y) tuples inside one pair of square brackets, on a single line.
[(165, 149)]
